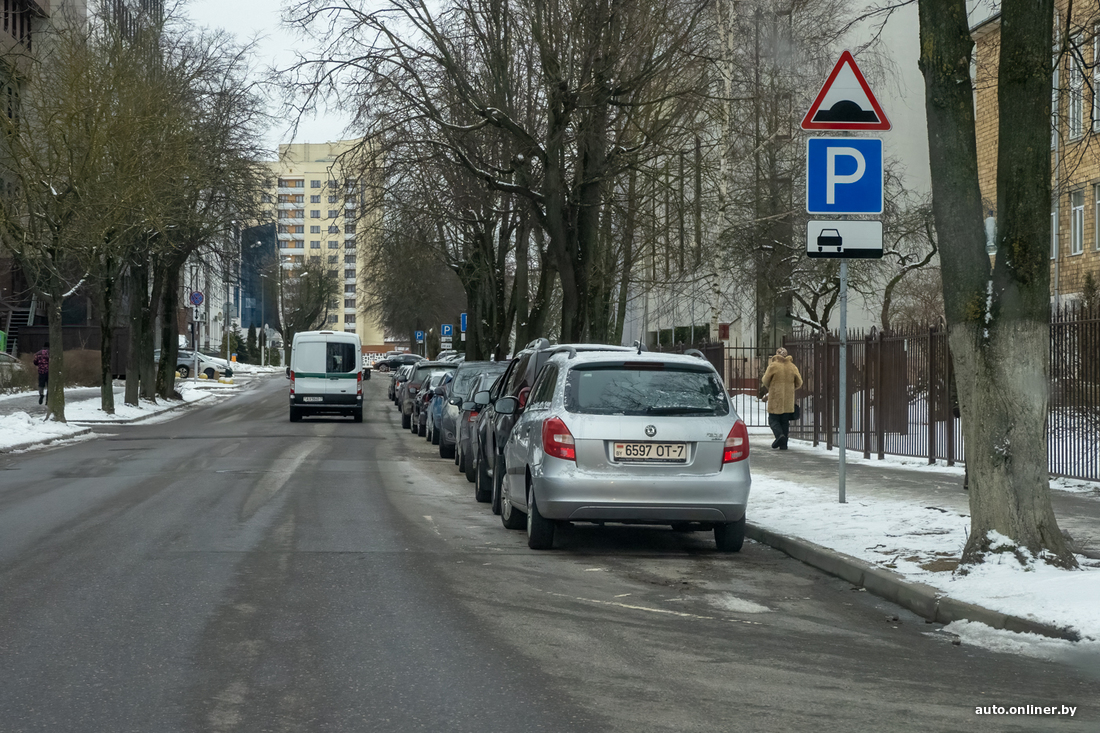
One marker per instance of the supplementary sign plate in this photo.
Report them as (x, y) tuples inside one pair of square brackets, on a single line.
[(844, 239)]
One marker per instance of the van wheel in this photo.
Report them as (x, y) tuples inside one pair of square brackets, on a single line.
[(357, 415), (295, 414), (405, 421), (730, 536)]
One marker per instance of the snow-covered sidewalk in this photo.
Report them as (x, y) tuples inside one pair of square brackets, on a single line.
[(21, 429), (890, 522)]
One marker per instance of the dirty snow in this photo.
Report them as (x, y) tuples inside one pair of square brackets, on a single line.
[(923, 544)]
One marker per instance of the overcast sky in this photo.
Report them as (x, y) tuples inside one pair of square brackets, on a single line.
[(248, 19)]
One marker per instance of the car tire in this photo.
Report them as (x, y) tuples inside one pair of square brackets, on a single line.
[(446, 451), (730, 536), (469, 468), (436, 441), (405, 420), (460, 459), (510, 517), (540, 530), (295, 414), (421, 429), (358, 415), (209, 372), (483, 490), (484, 485), (184, 371)]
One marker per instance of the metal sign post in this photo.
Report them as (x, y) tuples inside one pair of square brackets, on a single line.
[(843, 375)]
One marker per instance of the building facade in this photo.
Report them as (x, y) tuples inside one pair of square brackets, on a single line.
[(1074, 142), (319, 218)]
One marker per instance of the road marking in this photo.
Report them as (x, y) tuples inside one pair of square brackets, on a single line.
[(269, 484), (649, 609)]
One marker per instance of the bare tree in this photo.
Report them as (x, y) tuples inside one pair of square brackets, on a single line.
[(999, 320)]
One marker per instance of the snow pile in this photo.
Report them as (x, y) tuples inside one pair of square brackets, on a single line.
[(923, 543), (19, 427)]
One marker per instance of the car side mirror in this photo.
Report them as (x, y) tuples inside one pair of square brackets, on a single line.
[(456, 401), (469, 406), (481, 398), (440, 391), (288, 372), (506, 406)]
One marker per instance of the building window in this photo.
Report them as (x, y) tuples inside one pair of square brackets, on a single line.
[(349, 289), (333, 318), (1076, 110), (294, 244), (349, 259), (265, 198), (315, 199), (349, 244), (314, 184), (351, 199), (315, 244), (333, 259), (349, 274), (333, 213), (315, 229), (333, 244), (332, 183), (291, 183), (333, 229), (314, 259), (349, 318), (349, 229), (349, 302), (297, 213), (332, 199), (315, 214), (1077, 222)]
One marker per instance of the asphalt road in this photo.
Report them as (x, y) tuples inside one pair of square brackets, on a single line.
[(230, 571)]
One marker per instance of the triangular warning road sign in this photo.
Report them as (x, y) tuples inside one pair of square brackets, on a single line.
[(845, 102)]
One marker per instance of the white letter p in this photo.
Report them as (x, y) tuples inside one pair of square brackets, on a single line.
[(831, 177)]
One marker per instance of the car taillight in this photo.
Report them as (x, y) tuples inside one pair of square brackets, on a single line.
[(359, 384), (737, 444), (557, 441), (292, 382), (473, 416)]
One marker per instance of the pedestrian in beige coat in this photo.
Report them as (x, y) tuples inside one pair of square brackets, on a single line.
[(781, 379)]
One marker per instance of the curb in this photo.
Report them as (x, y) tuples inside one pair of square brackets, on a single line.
[(47, 441), (923, 600), (139, 418)]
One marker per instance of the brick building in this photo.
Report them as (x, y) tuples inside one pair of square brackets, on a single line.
[(1074, 145)]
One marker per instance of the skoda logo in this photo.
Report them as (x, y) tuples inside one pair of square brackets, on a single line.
[(650, 430)]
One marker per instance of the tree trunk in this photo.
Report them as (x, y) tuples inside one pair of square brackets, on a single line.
[(169, 338), (150, 304), (999, 322), (139, 288), (106, 337), (629, 225), (55, 400)]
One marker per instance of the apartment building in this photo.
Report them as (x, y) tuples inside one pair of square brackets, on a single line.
[(1074, 141), (319, 218)]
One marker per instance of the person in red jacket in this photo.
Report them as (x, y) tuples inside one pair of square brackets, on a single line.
[(42, 363)]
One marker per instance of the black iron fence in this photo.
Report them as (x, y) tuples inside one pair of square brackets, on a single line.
[(901, 398)]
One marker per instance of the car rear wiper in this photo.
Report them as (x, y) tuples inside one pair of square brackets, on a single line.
[(678, 411)]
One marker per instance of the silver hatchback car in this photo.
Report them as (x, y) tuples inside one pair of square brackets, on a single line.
[(634, 438)]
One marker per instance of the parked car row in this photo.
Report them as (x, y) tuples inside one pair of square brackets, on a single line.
[(587, 433)]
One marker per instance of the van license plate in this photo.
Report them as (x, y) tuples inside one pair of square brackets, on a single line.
[(652, 452), (312, 399)]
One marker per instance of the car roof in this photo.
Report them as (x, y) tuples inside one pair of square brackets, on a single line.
[(595, 357)]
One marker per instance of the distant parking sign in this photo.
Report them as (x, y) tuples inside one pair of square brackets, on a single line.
[(419, 337), (446, 330), (196, 298)]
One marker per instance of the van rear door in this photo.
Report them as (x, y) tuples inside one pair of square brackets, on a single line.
[(342, 366), (309, 370)]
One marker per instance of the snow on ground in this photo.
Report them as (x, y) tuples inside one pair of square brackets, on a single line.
[(19, 427), (923, 543)]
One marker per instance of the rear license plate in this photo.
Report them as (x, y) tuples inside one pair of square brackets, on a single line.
[(652, 452), (312, 399)]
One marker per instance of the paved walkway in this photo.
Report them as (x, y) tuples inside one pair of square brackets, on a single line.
[(29, 402), (1078, 513)]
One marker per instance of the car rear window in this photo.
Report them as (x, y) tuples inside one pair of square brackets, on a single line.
[(644, 389), (466, 378)]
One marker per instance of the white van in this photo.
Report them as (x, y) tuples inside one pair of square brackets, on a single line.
[(326, 375)]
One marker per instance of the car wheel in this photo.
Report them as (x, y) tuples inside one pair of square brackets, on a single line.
[(405, 420), (510, 517), (540, 530), (483, 490), (358, 415), (435, 441), (185, 372), (460, 459), (729, 536), (209, 372), (484, 486), (295, 415), (469, 467), (446, 451), (421, 429)]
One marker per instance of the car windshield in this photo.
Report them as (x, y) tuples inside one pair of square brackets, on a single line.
[(645, 388), (467, 378)]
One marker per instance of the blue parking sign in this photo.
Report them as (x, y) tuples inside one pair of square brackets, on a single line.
[(446, 330), (844, 175), (462, 323), (419, 337)]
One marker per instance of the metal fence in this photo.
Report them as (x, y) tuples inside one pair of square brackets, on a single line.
[(901, 397)]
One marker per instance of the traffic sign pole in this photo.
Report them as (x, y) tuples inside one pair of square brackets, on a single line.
[(843, 375)]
